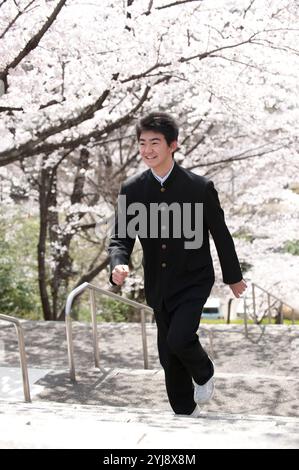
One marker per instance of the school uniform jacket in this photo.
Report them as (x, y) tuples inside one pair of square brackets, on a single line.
[(173, 273)]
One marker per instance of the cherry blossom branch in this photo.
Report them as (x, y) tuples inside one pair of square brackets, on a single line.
[(149, 8), (4, 109), (203, 55), (179, 2), (13, 21), (36, 147), (87, 113), (200, 56), (32, 44), (248, 8), (200, 140), (237, 157)]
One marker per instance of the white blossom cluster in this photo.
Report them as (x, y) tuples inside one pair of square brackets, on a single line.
[(233, 65)]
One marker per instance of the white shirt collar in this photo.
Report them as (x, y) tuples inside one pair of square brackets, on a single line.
[(163, 178)]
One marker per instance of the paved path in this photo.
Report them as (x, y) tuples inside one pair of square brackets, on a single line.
[(255, 404)]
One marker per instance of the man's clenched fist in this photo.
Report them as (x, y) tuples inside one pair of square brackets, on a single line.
[(119, 274), (238, 288)]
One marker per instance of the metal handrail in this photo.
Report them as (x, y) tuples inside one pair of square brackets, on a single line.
[(23, 361), (262, 327), (141, 307), (269, 294), (86, 285)]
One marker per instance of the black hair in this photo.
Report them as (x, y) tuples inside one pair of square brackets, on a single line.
[(159, 122)]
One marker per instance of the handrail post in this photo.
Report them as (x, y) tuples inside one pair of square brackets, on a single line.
[(22, 352), (228, 311), (281, 316), (245, 318), (23, 362), (70, 347), (144, 340), (269, 308), (93, 289), (94, 328), (253, 301), (68, 326)]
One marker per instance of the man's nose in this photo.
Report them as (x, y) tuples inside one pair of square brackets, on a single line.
[(147, 149)]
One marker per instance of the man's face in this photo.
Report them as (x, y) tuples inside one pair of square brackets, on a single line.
[(155, 151)]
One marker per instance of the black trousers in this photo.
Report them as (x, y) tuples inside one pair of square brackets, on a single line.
[(181, 354)]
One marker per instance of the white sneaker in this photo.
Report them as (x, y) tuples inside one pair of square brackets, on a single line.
[(203, 393), (196, 412)]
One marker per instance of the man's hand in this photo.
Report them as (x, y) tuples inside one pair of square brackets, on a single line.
[(119, 274), (238, 288)]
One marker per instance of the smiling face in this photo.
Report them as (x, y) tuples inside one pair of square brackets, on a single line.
[(155, 151)]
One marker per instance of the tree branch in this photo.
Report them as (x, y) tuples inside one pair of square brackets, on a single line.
[(15, 19), (93, 272), (200, 140), (149, 8), (87, 113), (179, 2), (32, 147), (203, 55), (200, 56), (86, 226), (248, 8), (33, 43), (4, 109), (35, 147), (89, 276), (145, 73), (237, 158), (124, 166)]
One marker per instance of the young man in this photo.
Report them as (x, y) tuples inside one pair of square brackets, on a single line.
[(178, 273)]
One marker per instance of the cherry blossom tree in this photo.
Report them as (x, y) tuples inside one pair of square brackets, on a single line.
[(80, 74)]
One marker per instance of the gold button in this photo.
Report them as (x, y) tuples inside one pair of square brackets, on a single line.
[(163, 265), (162, 189), (163, 246)]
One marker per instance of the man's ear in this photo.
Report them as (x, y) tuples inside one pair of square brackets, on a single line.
[(174, 145)]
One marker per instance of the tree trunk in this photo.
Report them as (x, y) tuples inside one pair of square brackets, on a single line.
[(41, 250), (52, 223)]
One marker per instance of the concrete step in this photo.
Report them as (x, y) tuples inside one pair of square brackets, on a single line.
[(54, 425), (235, 393), (123, 406)]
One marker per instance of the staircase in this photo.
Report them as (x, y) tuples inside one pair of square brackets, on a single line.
[(261, 305), (123, 405)]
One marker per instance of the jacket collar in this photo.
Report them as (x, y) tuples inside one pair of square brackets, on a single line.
[(170, 178)]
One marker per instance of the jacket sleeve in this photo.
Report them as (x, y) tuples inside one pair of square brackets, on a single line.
[(214, 218), (120, 245)]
